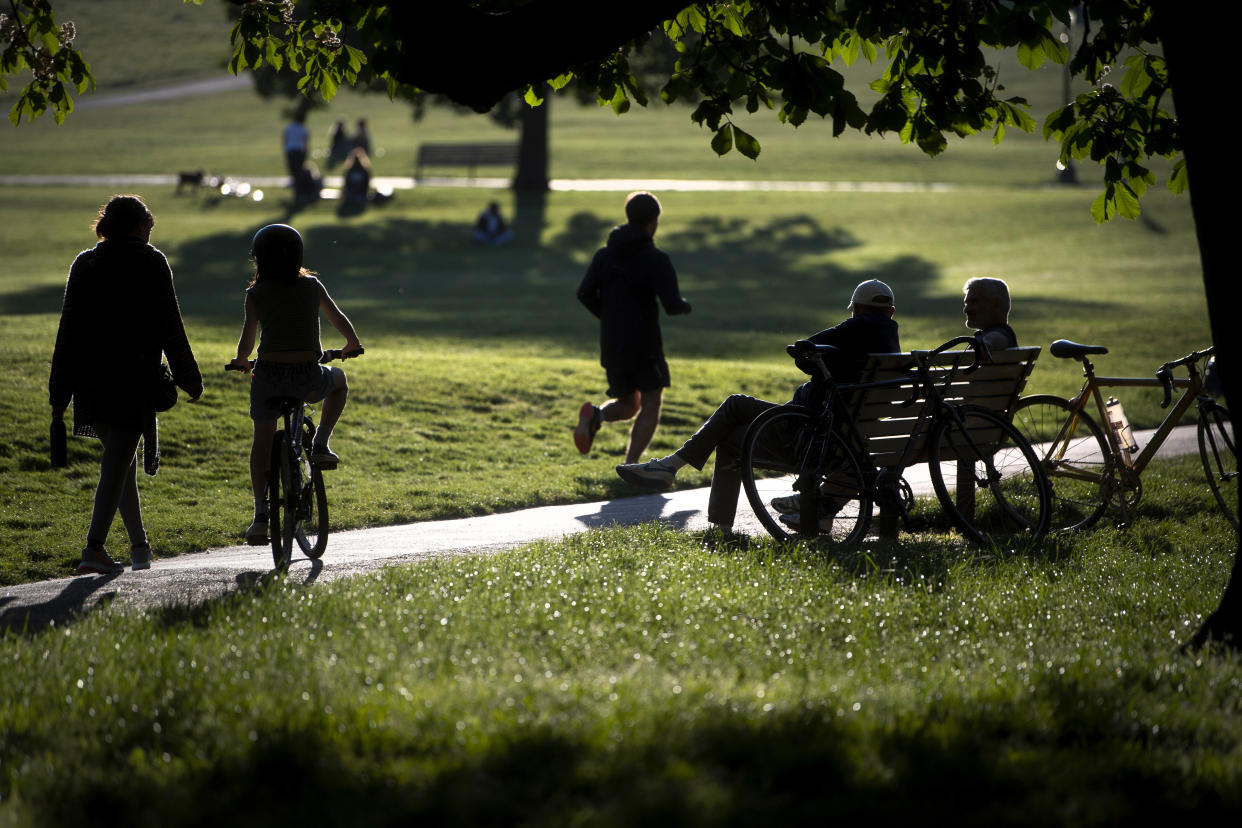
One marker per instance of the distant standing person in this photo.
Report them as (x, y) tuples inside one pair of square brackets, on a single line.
[(339, 144), (362, 138), (621, 286), (296, 143), (120, 315)]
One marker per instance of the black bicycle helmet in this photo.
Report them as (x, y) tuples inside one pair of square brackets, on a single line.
[(277, 251)]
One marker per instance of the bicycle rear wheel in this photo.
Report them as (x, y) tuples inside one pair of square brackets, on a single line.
[(1079, 465), (1220, 458), (312, 531), (781, 460), (1002, 490), (284, 486)]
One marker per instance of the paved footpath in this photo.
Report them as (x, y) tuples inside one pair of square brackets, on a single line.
[(194, 577)]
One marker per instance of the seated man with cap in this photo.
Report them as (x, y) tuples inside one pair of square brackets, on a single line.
[(870, 329)]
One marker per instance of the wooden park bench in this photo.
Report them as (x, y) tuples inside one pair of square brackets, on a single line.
[(469, 156), (885, 425)]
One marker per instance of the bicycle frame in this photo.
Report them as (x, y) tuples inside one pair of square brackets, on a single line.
[(1091, 392)]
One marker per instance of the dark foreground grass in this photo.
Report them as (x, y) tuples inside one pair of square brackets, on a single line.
[(645, 674)]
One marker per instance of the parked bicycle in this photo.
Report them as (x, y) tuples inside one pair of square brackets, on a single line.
[(806, 473), (297, 500), (1092, 467)]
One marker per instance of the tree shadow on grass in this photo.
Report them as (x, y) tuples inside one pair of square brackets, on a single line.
[(705, 763)]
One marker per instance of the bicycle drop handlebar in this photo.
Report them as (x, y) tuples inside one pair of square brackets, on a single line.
[(328, 356), (1165, 372)]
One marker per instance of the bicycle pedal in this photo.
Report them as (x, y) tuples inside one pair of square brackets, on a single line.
[(325, 465)]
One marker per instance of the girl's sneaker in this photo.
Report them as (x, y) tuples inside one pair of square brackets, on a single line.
[(140, 557), (97, 561), (256, 535)]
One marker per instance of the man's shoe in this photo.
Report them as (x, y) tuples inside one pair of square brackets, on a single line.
[(787, 505), (256, 535), (588, 425), (140, 557), (98, 562), (794, 521), (323, 457), (649, 475)]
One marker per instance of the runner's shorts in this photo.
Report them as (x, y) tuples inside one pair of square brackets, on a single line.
[(646, 377), (307, 381)]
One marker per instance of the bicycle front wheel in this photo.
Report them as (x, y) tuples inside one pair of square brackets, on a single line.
[(312, 531), (1220, 459), (1075, 456), (1000, 489), (284, 487), (783, 462)]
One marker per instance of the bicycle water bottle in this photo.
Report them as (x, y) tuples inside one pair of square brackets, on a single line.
[(1121, 427)]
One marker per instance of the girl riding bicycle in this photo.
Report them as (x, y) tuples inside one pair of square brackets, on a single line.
[(283, 303)]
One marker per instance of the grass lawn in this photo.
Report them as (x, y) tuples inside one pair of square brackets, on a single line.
[(646, 674)]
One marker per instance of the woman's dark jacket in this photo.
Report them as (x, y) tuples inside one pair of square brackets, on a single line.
[(120, 314)]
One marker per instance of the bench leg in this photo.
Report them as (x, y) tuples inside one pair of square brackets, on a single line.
[(965, 495)]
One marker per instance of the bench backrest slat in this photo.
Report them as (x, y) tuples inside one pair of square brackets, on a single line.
[(885, 424)]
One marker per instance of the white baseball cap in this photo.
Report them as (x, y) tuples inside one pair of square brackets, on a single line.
[(872, 294)]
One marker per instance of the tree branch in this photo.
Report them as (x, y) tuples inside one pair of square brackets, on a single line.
[(476, 58)]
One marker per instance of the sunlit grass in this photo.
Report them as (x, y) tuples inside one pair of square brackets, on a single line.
[(644, 672)]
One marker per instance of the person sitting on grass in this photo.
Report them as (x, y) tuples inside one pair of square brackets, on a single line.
[(283, 304), (870, 329)]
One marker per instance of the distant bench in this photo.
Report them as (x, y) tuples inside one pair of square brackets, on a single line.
[(465, 155)]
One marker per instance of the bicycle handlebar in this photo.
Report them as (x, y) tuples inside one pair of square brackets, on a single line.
[(1165, 372), (982, 352), (328, 356)]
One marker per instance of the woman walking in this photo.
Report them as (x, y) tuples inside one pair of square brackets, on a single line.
[(120, 316)]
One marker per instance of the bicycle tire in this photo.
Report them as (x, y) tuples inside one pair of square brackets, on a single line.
[(1219, 455), (1012, 499), (1079, 467), (767, 474), (283, 492), (312, 532)]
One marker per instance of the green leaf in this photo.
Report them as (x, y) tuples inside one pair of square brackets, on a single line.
[(728, 17), (1178, 181), (1127, 201), (746, 143), (1099, 207), (532, 97), (722, 142)]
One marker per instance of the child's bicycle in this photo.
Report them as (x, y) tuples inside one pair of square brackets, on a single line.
[(1090, 468), (297, 501), (805, 475)]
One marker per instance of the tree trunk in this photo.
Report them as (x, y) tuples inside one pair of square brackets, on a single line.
[(532, 167), (1196, 69)]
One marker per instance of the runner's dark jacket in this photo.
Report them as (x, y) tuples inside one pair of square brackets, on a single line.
[(621, 287)]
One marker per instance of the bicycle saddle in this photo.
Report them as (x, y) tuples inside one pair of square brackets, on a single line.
[(1064, 349), (284, 404)]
